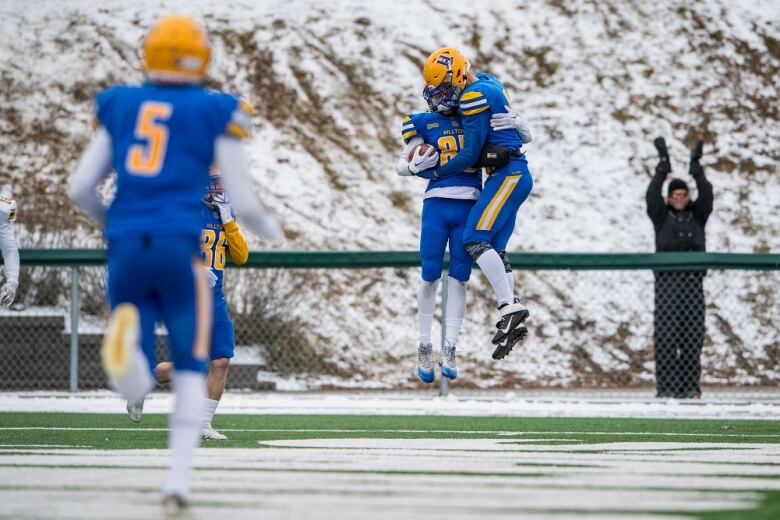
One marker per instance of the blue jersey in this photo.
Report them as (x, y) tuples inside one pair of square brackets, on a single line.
[(478, 102), (162, 139), (213, 245), (446, 135)]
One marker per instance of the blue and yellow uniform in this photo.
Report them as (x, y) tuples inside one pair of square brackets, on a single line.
[(219, 241), (162, 140), (493, 217), (448, 201)]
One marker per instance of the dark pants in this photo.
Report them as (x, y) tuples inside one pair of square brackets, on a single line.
[(679, 332)]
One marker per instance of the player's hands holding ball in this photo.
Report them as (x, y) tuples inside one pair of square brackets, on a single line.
[(422, 158)]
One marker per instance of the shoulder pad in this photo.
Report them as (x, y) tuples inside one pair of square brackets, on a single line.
[(240, 123), (8, 208), (473, 101)]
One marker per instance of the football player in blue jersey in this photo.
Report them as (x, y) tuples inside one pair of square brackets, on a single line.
[(220, 238), (160, 138), (446, 208), (450, 84)]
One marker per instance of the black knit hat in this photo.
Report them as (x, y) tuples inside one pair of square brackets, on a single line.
[(676, 184)]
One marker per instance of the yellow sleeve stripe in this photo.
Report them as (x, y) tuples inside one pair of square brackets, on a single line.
[(409, 135), (246, 106), (406, 119), (468, 96), (237, 131), (475, 111)]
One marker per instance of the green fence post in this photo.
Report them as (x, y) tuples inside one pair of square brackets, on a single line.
[(74, 329)]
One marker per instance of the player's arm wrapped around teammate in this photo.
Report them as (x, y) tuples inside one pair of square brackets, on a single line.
[(10, 251), (475, 113)]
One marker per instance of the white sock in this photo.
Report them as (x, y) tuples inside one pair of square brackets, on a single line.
[(138, 381), (510, 278), (494, 269), (209, 408), (456, 309), (426, 304), (186, 427)]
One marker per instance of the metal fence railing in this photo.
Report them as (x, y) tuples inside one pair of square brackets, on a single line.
[(665, 323)]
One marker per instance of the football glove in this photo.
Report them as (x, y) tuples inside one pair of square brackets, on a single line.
[(225, 212), (510, 120), (422, 162), (211, 277), (8, 293)]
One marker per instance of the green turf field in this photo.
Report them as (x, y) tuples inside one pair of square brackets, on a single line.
[(395, 466)]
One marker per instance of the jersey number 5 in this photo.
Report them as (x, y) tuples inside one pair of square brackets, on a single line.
[(213, 257), (147, 159)]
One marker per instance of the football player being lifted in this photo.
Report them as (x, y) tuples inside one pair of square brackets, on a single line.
[(431, 138), (220, 238), (450, 84), (160, 137)]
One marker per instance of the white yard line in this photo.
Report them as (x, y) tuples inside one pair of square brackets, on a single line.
[(397, 478), (497, 433), (485, 405)]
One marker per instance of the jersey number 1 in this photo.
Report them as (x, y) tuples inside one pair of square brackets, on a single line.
[(147, 159)]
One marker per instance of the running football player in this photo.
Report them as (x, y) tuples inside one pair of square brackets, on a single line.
[(450, 84), (160, 138)]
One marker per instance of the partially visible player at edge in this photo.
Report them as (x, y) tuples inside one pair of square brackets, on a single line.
[(449, 84), (221, 237), (10, 250), (446, 207), (160, 138)]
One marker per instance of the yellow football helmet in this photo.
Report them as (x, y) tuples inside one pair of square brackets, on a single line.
[(445, 72), (176, 49)]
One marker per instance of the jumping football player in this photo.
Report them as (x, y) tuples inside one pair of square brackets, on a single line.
[(10, 251), (160, 138), (451, 84), (221, 236), (446, 207)]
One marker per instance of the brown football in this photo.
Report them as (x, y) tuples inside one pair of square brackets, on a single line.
[(424, 149)]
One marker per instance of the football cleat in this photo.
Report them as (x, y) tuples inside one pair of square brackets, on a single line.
[(447, 361), (120, 340), (135, 410), (511, 340), (210, 434), (174, 505), (425, 363)]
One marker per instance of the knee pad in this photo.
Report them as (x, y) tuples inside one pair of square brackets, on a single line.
[(505, 259), (476, 249)]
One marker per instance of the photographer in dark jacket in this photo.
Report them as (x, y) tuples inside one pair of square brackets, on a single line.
[(679, 295)]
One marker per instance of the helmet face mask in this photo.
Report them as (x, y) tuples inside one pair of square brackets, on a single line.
[(442, 99), (215, 192)]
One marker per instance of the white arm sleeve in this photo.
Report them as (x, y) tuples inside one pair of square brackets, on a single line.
[(229, 156), (10, 251), (94, 165), (402, 165)]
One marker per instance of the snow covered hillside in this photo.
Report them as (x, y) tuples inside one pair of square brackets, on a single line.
[(597, 81)]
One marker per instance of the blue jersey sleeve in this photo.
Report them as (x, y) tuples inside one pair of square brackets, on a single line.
[(475, 114), (408, 128), (104, 102), (233, 117)]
